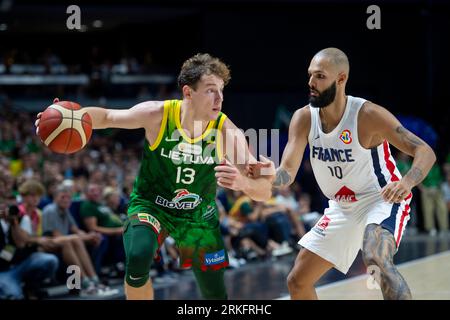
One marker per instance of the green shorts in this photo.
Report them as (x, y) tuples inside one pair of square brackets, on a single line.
[(200, 243)]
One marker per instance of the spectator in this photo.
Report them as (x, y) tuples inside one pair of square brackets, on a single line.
[(71, 250), (31, 216), (113, 201), (249, 235), (48, 198), (276, 217), (59, 224), (433, 203), (20, 263), (286, 197), (307, 217), (99, 218), (446, 189)]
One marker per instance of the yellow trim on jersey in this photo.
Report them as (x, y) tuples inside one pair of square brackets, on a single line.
[(219, 137), (180, 129), (162, 128)]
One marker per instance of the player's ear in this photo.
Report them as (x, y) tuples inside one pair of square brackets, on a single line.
[(187, 91), (342, 78)]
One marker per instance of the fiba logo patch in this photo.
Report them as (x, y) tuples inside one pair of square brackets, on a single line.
[(346, 136)]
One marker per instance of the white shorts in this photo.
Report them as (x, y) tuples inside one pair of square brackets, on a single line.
[(338, 235)]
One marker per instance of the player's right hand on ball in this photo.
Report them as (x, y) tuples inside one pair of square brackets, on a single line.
[(38, 117)]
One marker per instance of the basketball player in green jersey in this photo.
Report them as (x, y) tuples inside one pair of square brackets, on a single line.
[(175, 189)]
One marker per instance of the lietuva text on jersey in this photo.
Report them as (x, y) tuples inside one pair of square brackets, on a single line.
[(331, 154), (187, 158)]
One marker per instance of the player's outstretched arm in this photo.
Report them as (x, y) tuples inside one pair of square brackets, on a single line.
[(133, 118), (142, 115), (295, 148), (232, 173), (255, 185), (383, 123)]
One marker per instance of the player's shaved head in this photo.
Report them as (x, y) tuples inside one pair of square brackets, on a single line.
[(336, 57), (328, 74)]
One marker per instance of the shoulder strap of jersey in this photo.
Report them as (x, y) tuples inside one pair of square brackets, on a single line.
[(172, 105), (218, 129), (313, 131), (162, 126)]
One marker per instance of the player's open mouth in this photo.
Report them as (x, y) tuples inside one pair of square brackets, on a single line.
[(314, 94)]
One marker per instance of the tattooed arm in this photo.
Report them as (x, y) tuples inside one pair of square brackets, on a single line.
[(381, 123), (424, 156), (293, 153)]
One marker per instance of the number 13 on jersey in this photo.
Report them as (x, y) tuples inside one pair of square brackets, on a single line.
[(185, 175)]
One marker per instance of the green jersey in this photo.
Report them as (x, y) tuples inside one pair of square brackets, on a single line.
[(177, 174)]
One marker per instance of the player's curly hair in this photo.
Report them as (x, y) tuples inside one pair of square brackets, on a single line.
[(200, 64)]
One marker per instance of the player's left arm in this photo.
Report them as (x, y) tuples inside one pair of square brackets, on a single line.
[(381, 122), (232, 173)]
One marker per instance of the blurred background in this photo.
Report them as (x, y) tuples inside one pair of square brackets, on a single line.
[(126, 53)]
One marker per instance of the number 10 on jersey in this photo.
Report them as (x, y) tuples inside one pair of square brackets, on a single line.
[(336, 172)]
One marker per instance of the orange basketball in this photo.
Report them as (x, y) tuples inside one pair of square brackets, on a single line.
[(64, 128)]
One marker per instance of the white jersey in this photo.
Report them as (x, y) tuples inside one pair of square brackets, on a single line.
[(346, 172), (351, 177)]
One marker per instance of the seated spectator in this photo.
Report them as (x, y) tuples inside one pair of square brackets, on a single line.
[(48, 198), (60, 226), (304, 214), (31, 216), (248, 235), (446, 188), (433, 203), (99, 218), (112, 199), (286, 198), (20, 263), (30, 219), (276, 217)]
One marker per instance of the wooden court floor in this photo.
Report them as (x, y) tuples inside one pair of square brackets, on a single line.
[(428, 279)]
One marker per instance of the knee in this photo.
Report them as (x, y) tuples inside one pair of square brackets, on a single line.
[(140, 256), (139, 260), (51, 264), (138, 268), (11, 291), (66, 244), (370, 258), (296, 282), (76, 241)]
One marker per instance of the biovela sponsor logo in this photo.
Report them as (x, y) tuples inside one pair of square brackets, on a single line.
[(183, 200), (215, 258)]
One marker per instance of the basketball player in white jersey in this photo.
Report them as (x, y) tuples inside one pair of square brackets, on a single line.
[(349, 141)]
